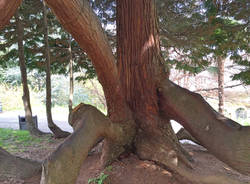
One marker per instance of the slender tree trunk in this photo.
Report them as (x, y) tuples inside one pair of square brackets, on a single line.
[(26, 95), (52, 126), (71, 77), (221, 95)]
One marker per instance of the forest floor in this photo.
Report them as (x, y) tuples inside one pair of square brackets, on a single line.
[(126, 170)]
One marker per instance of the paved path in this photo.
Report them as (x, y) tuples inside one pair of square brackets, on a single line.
[(10, 120)]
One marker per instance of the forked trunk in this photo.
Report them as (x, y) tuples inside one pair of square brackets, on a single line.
[(52, 126), (139, 92), (26, 95)]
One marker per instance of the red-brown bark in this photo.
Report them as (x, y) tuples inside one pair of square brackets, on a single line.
[(7, 10), (84, 26), (140, 71), (139, 82)]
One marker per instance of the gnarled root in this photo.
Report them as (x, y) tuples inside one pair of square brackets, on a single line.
[(222, 137), (90, 125), (16, 167)]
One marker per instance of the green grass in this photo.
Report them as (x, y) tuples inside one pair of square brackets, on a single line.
[(98, 180), (101, 178), (18, 140)]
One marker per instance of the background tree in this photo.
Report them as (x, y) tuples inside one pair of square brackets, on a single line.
[(26, 97), (52, 126)]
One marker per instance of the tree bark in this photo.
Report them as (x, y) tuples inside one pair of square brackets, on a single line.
[(221, 95), (86, 29), (7, 10), (144, 96), (52, 126), (71, 77), (223, 137), (89, 125), (26, 95), (141, 69), (16, 167)]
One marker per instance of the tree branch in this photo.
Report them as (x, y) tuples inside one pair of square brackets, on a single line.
[(223, 137), (7, 10), (90, 125), (212, 89), (78, 18)]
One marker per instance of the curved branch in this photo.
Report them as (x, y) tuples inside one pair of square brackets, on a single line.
[(7, 10), (224, 138), (78, 18), (90, 125)]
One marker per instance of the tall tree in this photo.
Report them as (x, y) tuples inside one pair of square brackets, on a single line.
[(140, 104), (71, 76), (26, 96), (52, 126), (146, 99)]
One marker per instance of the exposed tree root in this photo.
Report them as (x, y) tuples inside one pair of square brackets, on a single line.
[(16, 167), (224, 138), (58, 133), (90, 125)]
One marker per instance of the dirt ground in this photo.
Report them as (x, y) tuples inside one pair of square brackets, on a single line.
[(131, 170)]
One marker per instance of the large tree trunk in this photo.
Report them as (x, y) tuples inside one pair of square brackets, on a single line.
[(26, 95), (143, 97), (52, 126), (141, 70), (221, 95)]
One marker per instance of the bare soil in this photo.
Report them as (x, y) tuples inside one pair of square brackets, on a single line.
[(129, 169)]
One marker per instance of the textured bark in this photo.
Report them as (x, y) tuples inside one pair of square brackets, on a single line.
[(223, 137), (16, 167), (89, 125), (52, 126), (86, 29), (140, 71), (26, 96), (152, 99), (221, 84), (7, 10)]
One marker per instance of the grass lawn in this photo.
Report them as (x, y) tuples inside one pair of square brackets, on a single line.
[(20, 140)]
